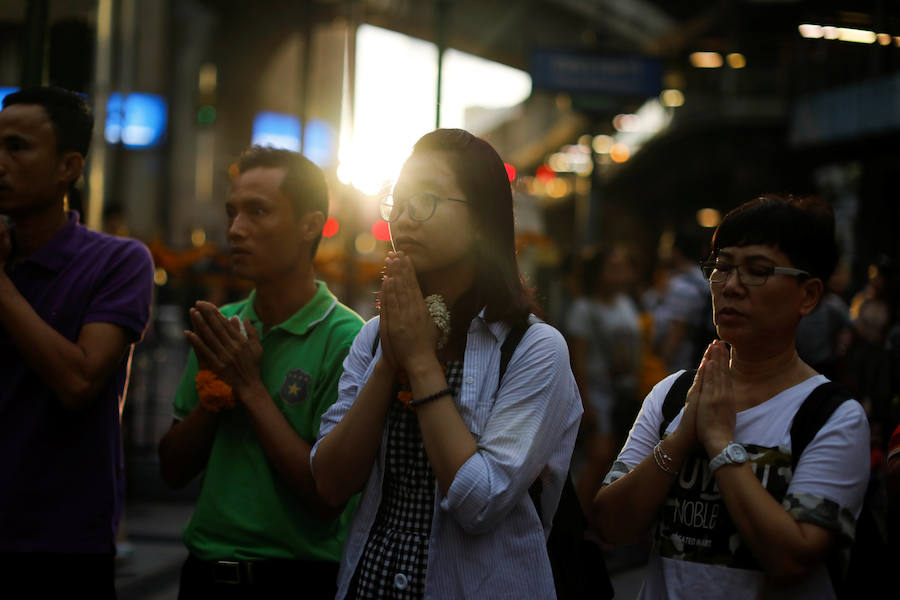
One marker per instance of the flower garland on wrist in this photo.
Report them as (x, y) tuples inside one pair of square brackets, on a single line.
[(440, 314), (214, 393)]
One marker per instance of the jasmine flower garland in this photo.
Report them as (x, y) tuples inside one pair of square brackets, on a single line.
[(441, 316)]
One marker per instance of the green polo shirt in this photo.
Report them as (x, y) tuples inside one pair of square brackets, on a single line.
[(245, 511)]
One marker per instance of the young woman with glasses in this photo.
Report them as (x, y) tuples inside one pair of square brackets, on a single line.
[(733, 517), (442, 449)]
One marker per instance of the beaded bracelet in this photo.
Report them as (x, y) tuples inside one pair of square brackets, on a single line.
[(420, 401), (663, 460)]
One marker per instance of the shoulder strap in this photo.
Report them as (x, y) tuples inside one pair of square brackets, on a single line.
[(376, 341), (675, 399), (511, 343), (813, 414)]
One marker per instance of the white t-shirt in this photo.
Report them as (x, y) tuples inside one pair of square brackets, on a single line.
[(697, 551)]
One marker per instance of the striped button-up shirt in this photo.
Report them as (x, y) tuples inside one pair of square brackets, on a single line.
[(487, 540)]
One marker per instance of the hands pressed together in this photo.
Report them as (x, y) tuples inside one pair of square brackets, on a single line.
[(223, 347), (710, 412), (407, 330)]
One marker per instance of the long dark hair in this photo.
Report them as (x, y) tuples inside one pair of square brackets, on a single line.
[(481, 175)]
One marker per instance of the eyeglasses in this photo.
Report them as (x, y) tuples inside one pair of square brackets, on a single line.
[(749, 274), (421, 206)]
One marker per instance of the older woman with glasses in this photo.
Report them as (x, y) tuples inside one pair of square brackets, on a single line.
[(740, 508), (442, 441)]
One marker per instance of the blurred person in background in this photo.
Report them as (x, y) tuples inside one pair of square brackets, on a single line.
[(72, 304), (739, 506), (604, 340), (823, 335), (682, 318), (247, 410), (444, 449)]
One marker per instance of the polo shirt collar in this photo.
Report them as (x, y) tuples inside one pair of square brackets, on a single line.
[(313, 312), (62, 247)]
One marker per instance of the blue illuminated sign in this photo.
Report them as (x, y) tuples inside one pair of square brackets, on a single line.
[(277, 130), (318, 143), (280, 130), (137, 120), (6, 91)]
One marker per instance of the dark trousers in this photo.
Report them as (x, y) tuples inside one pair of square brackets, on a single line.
[(42, 575), (238, 580)]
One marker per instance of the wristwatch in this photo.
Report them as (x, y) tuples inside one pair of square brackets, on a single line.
[(732, 454)]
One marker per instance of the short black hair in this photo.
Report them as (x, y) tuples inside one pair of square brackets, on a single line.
[(800, 226), (303, 183), (73, 122)]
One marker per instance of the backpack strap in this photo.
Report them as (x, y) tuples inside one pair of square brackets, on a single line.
[(813, 414), (675, 399), (376, 341), (511, 342), (515, 335)]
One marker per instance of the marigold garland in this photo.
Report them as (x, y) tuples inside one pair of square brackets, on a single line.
[(405, 396), (214, 393)]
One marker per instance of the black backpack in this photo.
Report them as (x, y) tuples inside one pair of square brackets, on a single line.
[(578, 564), (865, 574)]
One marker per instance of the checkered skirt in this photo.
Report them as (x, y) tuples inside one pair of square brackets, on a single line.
[(395, 557)]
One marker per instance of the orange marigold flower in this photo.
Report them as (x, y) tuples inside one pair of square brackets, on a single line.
[(404, 396), (214, 393)]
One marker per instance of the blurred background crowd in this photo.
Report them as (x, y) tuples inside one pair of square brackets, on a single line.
[(628, 128)]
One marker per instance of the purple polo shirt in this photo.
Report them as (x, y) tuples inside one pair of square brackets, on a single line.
[(61, 471)]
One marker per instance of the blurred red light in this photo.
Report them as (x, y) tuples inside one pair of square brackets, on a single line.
[(381, 231), (545, 173), (331, 227), (510, 171)]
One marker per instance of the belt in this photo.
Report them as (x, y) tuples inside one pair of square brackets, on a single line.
[(232, 571), (258, 572), (241, 572)]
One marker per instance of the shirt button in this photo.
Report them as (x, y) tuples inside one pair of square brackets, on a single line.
[(470, 380), (400, 581)]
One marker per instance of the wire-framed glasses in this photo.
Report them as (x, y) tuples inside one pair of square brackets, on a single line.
[(748, 273), (420, 206)]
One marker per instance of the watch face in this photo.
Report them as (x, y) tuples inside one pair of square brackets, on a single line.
[(736, 453)]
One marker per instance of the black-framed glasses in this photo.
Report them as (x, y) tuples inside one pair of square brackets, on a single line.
[(420, 206), (749, 273)]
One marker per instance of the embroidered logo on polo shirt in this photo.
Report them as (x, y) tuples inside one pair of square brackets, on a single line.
[(295, 387)]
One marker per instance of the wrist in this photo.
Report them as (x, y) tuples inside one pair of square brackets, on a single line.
[(714, 446), (251, 394), (679, 444), (421, 365), (384, 368)]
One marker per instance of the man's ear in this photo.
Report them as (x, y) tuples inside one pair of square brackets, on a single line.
[(312, 224), (71, 165), (813, 288)]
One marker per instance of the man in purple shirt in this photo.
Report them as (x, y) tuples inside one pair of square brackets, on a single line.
[(72, 304)]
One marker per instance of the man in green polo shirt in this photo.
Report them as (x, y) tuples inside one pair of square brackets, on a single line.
[(259, 526)]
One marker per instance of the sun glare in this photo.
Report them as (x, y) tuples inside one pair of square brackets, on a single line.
[(396, 99)]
